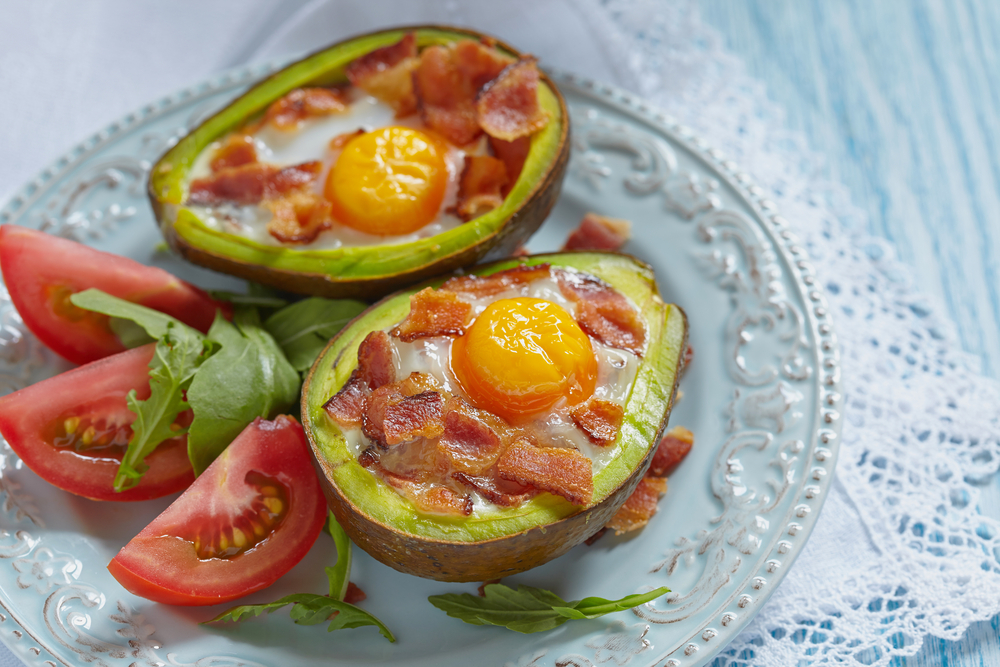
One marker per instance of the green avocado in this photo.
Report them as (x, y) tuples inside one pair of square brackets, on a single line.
[(500, 541), (357, 271)]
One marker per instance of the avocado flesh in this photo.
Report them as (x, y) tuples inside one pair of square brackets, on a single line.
[(370, 502), (354, 270)]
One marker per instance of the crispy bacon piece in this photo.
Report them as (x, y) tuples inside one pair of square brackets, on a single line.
[(341, 140), (598, 232), (354, 594), (564, 472), (387, 74), (508, 108), (252, 183), (445, 97), (640, 506), (599, 420), (479, 63), (298, 217), (369, 458), (498, 491), (513, 155), (471, 444), (433, 313), (347, 406), (483, 179), (513, 278), (375, 360), (391, 419), (671, 451), (237, 151), (427, 498), (603, 312), (303, 103)]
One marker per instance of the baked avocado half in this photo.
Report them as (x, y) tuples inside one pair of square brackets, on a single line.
[(494, 541), (366, 271)]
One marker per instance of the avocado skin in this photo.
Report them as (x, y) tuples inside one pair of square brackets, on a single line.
[(514, 231), (458, 560)]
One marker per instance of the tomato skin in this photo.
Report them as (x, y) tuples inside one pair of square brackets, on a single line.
[(161, 563), (41, 271), (98, 387)]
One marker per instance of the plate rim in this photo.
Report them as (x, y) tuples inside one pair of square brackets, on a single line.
[(769, 221)]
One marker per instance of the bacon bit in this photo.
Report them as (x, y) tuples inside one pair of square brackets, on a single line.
[(413, 417), (598, 232), (513, 154), (298, 218), (354, 594), (482, 586), (468, 441), (603, 312), (253, 183), (341, 140), (445, 98), (347, 406), (237, 151), (508, 107), (387, 74), (417, 383), (302, 103), (671, 451), (640, 506), (599, 420), (479, 63), (429, 499), (502, 492), (391, 419), (241, 185), (564, 472), (433, 313), (483, 178), (513, 278), (375, 360), (369, 458), (596, 536)]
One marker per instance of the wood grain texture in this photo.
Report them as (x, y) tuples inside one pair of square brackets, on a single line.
[(903, 99)]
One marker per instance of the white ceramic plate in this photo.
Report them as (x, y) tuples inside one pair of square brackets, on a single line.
[(761, 397)]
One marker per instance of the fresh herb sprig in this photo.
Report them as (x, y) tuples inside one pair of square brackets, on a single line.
[(529, 609), (311, 609)]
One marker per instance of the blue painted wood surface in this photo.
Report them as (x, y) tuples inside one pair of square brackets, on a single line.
[(903, 99)]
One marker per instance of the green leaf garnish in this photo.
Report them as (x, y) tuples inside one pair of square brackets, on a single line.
[(303, 329), (310, 609), (179, 352), (153, 322), (340, 574), (251, 299), (248, 377), (531, 609)]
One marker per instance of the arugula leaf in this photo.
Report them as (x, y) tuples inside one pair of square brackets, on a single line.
[(126, 315), (531, 609), (339, 575), (248, 377), (310, 609), (304, 328), (251, 299), (179, 353)]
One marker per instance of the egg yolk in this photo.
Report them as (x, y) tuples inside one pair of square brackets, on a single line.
[(521, 356), (387, 182)]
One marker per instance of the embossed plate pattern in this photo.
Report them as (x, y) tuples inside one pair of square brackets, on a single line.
[(761, 396)]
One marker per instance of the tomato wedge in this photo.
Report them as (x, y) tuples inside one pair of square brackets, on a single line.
[(247, 520), (42, 271), (72, 429)]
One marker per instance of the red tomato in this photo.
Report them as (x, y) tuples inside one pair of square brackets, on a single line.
[(42, 271), (248, 519), (72, 430)]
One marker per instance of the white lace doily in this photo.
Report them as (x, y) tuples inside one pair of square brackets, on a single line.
[(900, 551)]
